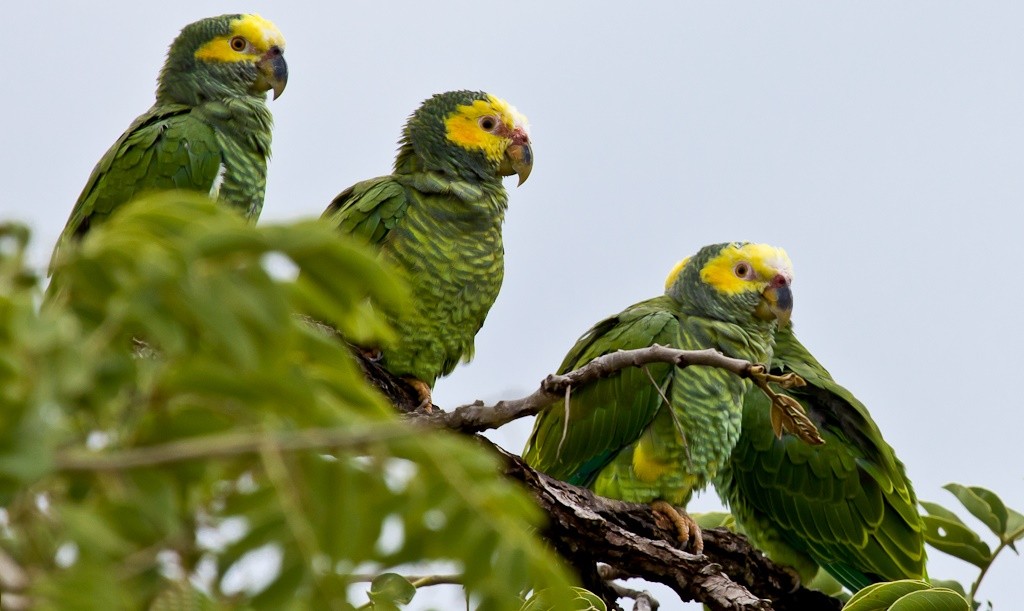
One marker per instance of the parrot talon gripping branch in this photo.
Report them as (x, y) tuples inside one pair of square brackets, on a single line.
[(686, 527)]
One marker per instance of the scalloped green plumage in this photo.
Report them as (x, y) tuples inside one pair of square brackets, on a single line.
[(437, 221), (622, 438), (846, 506), (209, 131)]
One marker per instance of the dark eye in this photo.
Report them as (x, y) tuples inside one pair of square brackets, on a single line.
[(488, 123), (743, 270), (238, 43)]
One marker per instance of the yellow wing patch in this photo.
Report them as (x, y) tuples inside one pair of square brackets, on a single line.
[(463, 126), (767, 261), (673, 275), (260, 33), (647, 467)]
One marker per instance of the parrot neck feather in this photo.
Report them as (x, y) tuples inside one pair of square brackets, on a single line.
[(243, 128), (708, 402)]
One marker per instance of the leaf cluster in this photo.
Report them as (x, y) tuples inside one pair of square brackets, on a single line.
[(945, 531), (173, 434)]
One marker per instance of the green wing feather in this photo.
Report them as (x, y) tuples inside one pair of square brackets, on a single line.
[(659, 432), (846, 506), (599, 428), (370, 209), (166, 148), (447, 249)]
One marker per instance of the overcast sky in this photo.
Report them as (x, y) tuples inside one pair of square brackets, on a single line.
[(880, 143)]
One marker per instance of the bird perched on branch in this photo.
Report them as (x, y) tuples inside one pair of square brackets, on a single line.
[(437, 220), (658, 433), (208, 131), (846, 506)]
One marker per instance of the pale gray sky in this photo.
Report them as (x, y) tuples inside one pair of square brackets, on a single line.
[(881, 143)]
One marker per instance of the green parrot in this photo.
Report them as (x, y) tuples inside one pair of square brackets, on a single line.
[(209, 129), (846, 506), (658, 433), (437, 221)]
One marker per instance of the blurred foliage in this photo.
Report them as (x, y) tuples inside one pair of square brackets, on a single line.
[(389, 591), (173, 436)]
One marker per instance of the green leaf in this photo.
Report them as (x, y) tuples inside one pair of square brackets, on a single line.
[(1014, 528), (582, 600), (939, 511), (950, 584), (946, 532), (881, 596), (935, 599), (983, 504), (390, 590)]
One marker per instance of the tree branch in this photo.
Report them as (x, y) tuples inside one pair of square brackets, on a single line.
[(587, 529), (642, 599), (477, 417)]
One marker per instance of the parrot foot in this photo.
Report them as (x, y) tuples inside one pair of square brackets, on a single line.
[(786, 412), (422, 392), (685, 526)]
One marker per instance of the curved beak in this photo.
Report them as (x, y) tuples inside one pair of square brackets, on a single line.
[(273, 71), (518, 156), (776, 301)]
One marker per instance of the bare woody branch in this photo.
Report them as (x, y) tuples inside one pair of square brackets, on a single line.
[(587, 529), (642, 599), (477, 417)]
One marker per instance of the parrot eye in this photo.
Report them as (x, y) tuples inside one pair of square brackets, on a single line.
[(488, 123), (238, 43), (744, 270)]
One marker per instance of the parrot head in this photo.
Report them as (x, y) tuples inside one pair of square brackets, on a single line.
[(472, 135), (225, 56), (735, 281)]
